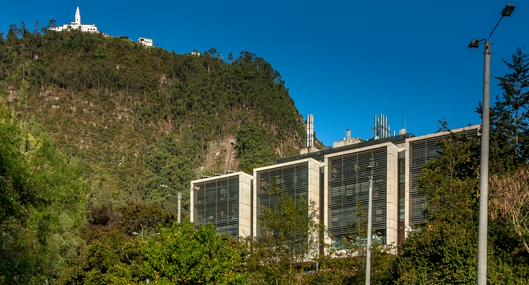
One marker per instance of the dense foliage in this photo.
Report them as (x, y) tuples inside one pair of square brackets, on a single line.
[(288, 238), (180, 254), (144, 121), (42, 205), (510, 116)]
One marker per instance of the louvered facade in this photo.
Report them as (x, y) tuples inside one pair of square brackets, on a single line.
[(347, 178), (297, 179), (223, 201), (420, 151), (336, 183), (402, 198)]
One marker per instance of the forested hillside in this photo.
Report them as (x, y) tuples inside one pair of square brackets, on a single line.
[(144, 121)]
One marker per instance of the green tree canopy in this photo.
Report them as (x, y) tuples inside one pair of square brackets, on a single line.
[(42, 196), (510, 116), (180, 254)]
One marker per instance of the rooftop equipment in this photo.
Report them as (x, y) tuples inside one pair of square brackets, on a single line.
[(310, 131), (381, 129)]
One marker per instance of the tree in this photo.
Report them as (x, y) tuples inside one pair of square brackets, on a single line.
[(42, 211), (445, 250), (345, 261), (289, 249), (16, 192), (52, 23), (13, 34), (288, 242), (183, 254), (253, 147), (180, 254), (510, 116), (510, 201)]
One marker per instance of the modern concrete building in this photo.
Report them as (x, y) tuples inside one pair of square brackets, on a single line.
[(224, 201), (346, 187), (350, 208), (299, 179), (335, 182), (418, 152), (404, 205)]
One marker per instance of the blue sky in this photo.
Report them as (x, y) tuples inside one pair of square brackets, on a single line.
[(343, 61)]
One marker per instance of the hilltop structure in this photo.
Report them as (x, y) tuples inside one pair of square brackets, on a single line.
[(76, 25), (146, 42)]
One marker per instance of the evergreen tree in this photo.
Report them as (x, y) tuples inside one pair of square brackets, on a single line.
[(510, 116)]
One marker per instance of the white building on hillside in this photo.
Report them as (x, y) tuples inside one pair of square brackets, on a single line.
[(76, 25), (146, 42)]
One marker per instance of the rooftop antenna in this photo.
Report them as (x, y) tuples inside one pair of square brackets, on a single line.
[(310, 131), (376, 128), (381, 128)]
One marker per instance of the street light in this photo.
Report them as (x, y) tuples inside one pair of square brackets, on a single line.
[(371, 167), (179, 212), (484, 167), (508, 10), (179, 216)]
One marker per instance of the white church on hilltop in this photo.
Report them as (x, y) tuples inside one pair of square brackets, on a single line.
[(76, 25)]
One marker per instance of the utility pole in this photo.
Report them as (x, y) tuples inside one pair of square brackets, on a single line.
[(371, 166)]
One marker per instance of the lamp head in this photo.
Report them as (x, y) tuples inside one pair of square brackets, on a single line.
[(508, 10), (474, 44)]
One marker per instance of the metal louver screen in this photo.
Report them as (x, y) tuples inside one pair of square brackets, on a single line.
[(402, 196), (348, 186), (422, 152), (216, 202), (292, 179)]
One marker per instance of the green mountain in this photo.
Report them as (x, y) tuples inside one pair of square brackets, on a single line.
[(145, 121)]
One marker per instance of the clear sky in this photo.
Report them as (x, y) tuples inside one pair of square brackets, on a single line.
[(343, 61)]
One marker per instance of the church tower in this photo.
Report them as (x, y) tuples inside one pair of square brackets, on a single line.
[(78, 16), (76, 25)]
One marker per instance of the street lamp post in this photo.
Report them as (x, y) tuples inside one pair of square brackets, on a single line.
[(484, 166), (179, 207), (371, 166)]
